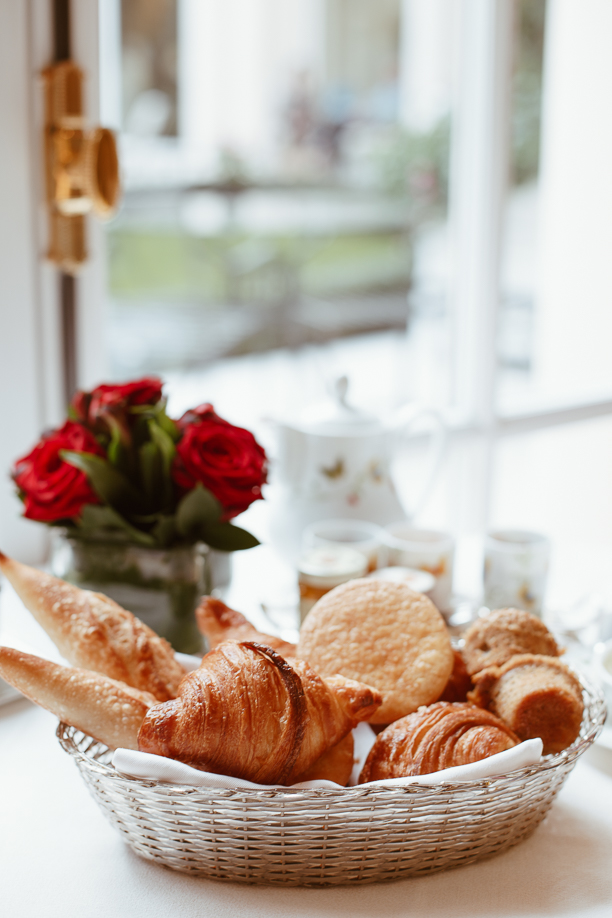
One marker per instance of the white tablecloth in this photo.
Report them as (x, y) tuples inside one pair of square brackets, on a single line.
[(59, 856)]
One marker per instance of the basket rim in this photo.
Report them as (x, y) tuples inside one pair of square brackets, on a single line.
[(595, 716)]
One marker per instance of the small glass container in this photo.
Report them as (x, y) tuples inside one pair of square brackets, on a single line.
[(322, 569), (419, 581), (368, 538), (515, 570), (425, 550)]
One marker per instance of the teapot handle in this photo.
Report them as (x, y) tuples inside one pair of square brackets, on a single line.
[(405, 419)]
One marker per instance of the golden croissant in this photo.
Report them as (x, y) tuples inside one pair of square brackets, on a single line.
[(93, 632), (219, 623), (336, 764), (439, 736), (249, 713), (104, 708)]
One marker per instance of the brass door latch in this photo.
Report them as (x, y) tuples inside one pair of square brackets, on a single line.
[(82, 169)]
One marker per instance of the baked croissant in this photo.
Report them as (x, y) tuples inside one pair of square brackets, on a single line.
[(219, 623), (110, 711), (535, 695), (439, 736), (93, 632), (336, 764), (249, 713)]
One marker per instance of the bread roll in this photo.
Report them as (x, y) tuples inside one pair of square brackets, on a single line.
[(504, 633), (382, 633), (534, 695)]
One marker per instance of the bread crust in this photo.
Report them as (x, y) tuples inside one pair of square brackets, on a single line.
[(442, 735), (384, 634), (93, 632), (336, 764), (249, 713), (536, 696), (504, 633), (460, 682), (218, 623), (104, 708)]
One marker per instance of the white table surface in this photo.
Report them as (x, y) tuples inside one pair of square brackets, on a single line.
[(59, 856)]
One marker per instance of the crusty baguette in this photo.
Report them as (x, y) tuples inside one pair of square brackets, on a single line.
[(94, 632), (110, 711), (218, 623)]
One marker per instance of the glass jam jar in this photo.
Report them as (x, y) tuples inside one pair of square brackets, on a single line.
[(322, 569)]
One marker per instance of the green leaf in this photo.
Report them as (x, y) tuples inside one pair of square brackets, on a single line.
[(113, 447), (151, 472), (167, 424), (167, 449), (117, 449), (95, 518), (196, 508), (140, 409), (108, 482), (225, 537), (165, 531), (164, 443)]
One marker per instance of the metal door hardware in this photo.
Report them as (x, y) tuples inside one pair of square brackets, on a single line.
[(82, 169)]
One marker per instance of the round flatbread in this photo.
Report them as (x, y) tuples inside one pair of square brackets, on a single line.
[(384, 634)]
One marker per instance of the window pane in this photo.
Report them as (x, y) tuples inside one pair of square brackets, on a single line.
[(303, 198), (557, 283), (558, 482), (520, 256), (148, 67)]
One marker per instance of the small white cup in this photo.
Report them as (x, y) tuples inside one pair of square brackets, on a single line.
[(365, 537), (425, 550), (515, 570)]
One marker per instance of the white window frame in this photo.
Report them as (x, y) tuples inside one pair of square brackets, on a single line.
[(31, 369)]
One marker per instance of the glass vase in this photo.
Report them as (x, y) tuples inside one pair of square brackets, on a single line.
[(162, 587)]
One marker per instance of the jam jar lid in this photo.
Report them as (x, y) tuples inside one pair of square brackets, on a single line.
[(330, 566)]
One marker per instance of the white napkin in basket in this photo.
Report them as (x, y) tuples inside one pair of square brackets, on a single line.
[(158, 768)]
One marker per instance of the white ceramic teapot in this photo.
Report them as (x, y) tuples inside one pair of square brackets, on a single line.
[(335, 462)]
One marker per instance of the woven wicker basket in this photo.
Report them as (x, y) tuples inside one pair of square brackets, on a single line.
[(327, 837)]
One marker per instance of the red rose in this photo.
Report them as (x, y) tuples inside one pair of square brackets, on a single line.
[(227, 460), (202, 412), (93, 407), (52, 488)]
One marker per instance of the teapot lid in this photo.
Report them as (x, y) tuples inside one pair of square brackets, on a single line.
[(336, 416)]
